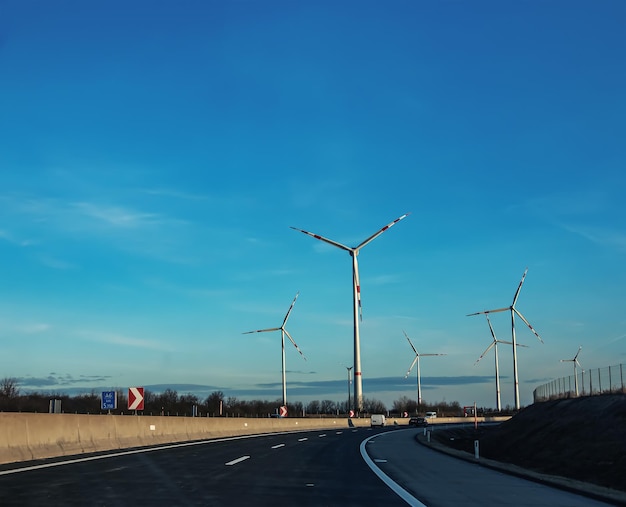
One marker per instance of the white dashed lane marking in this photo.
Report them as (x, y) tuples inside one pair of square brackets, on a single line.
[(238, 460)]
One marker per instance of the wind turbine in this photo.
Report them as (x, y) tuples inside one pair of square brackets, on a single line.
[(419, 375), (575, 361), (494, 344), (356, 292), (283, 332), (514, 311)]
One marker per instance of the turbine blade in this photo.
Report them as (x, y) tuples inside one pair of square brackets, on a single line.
[(290, 308), (411, 367), (527, 323), (326, 240), (511, 343), (294, 343), (410, 342), (485, 352), (378, 233), (493, 334), (485, 312), (357, 284), (579, 349), (422, 355), (519, 287), (263, 330)]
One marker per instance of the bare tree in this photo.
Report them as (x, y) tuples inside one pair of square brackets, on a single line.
[(9, 388), (405, 404), (373, 406), (9, 394), (328, 407), (313, 407), (215, 403)]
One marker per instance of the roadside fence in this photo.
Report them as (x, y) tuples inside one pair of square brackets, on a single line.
[(609, 379)]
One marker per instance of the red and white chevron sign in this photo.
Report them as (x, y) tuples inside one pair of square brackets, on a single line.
[(283, 411), (135, 398)]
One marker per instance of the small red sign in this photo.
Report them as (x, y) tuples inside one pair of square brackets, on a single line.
[(283, 411)]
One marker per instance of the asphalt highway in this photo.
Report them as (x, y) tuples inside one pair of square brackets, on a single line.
[(345, 467), (305, 469)]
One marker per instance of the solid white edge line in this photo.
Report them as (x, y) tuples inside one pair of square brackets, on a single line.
[(396, 488)]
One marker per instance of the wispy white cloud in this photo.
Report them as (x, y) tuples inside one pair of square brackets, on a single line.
[(384, 279), (55, 263), (124, 340), (32, 328), (169, 192), (586, 213), (83, 215), (128, 228), (7, 236), (612, 238), (116, 216)]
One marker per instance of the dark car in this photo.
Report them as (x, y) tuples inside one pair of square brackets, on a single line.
[(418, 421)]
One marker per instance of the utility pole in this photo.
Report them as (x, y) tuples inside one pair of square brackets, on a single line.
[(349, 368)]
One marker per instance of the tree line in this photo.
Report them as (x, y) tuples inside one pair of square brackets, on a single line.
[(170, 403)]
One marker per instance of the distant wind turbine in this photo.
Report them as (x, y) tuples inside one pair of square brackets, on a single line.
[(356, 292), (514, 311), (419, 375), (494, 345), (283, 332), (575, 361)]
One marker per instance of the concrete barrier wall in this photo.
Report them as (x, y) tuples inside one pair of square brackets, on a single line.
[(26, 436)]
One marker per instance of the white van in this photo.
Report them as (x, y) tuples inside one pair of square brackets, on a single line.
[(431, 415), (377, 420)]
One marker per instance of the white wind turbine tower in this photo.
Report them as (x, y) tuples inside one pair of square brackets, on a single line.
[(356, 292), (283, 332), (419, 375), (575, 361), (494, 344), (514, 311)]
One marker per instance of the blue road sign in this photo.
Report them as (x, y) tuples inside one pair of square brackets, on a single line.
[(109, 400)]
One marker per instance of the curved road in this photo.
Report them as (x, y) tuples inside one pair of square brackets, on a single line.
[(313, 468), (435, 479)]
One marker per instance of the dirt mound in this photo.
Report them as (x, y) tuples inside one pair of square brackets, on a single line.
[(579, 438)]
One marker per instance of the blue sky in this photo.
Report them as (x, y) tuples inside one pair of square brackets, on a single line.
[(153, 156)]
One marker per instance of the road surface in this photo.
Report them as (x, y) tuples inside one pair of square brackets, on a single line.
[(347, 467)]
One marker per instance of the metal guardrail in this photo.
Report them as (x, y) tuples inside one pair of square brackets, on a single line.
[(609, 379)]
